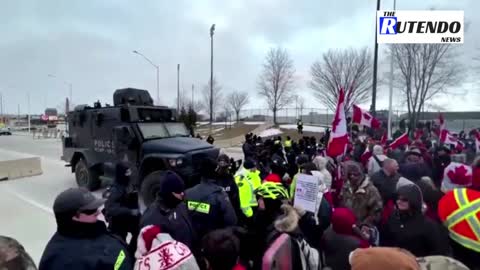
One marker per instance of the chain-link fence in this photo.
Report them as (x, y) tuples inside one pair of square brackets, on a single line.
[(455, 121)]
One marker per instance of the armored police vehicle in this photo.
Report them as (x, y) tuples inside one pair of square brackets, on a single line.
[(133, 130)]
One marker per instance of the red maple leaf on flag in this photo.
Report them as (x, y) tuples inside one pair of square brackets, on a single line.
[(367, 116), (459, 176)]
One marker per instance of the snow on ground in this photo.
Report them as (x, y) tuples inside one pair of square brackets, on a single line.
[(216, 123), (305, 128), (252, 123), (270, 132)]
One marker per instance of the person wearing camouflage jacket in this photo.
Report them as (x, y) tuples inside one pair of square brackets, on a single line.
[(360, 195)]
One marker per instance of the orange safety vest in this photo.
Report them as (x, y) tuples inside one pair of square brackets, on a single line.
[(459, 210)]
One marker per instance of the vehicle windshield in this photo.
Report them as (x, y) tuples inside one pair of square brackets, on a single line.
[(163, 130)]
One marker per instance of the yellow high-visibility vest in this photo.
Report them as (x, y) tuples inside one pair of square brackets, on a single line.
[(288, 143), (247, 184)]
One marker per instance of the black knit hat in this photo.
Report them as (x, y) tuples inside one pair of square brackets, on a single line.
[(249, 164)]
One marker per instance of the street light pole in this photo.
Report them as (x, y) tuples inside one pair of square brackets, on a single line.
[(212, 30), (28, 118), (178, 89), (193, 95), (390, 96), (158, 73), (375, 60)]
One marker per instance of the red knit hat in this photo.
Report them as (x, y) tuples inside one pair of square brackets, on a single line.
[(274, 178)]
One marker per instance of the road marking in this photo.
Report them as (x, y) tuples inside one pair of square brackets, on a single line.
[(30, 201)]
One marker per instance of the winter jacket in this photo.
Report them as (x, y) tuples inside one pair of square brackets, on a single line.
[(373, 166), (336, 248), (386, 185), (321, 163), (249, 150), (313, 225), (82, 246), (288, 223), (270, 225), (412, 230), (227, 182), (209, 207), (365, 201), (414, 171), (175, 222)]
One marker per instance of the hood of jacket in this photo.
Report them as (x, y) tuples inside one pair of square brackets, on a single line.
[(288, 221), (320, 162)]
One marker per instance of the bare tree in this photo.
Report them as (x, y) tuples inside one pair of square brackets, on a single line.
[(276, 82), (425, 71), (238, 100), (349, 69), (217, 97)]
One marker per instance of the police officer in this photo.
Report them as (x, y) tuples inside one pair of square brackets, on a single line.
[(121, 207), (248, 147), (208, 204), (300, 126), (169, 212), (210, 139), (248, 180), (287, 144), (226, 181), (82, 241)]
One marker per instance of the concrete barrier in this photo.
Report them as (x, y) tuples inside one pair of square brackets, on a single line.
[(18, 168)]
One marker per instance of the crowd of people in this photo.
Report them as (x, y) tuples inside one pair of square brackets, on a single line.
[(377, 208)]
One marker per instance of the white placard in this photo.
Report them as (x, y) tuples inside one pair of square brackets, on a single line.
[(306, 192)]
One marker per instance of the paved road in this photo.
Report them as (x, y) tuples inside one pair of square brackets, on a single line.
[(26, 203)]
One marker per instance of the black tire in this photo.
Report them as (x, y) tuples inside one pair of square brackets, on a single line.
[(151, 187), (85, 177)]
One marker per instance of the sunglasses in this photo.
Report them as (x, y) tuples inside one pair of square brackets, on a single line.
[(89, 212), (402, 199)]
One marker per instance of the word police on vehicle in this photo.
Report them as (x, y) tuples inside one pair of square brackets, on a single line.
[(427, 26)]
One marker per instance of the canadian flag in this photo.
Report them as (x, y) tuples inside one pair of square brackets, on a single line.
[(441, 122), (456, 175), (383, 140), (477, 141), (338, 138), (447, 138), (402, 140), (364, 118), (365, 156)]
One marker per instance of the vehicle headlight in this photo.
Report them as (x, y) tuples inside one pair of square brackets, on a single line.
[(174, 162)]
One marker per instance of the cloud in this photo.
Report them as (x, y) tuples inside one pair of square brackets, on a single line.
[(89, 43)]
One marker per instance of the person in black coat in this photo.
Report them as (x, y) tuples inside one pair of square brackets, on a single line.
[(169, 212), (121, 208), (227, 182), (409, 229), (208, 204), (248, 147), (82, 242)]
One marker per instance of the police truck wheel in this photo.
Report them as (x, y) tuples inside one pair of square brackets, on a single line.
[(151, 186), (86, 177)]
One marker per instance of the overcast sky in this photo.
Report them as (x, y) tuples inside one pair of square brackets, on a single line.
[(89, 43)]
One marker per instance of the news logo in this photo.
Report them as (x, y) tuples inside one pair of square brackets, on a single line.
[(430, 26)]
